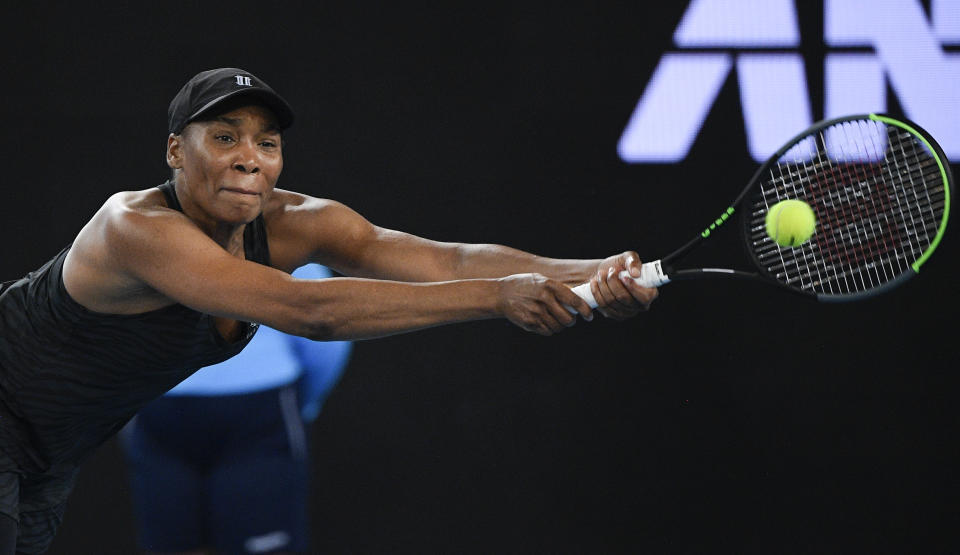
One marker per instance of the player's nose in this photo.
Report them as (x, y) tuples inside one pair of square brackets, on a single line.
[(247, 160)]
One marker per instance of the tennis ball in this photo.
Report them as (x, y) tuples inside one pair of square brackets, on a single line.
[(791, 223)]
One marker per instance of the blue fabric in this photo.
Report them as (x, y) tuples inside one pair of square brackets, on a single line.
[(273, 359), (228, 472), (267, 362), (322, 369)]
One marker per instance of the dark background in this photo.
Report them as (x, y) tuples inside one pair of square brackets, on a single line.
[(731, 418)]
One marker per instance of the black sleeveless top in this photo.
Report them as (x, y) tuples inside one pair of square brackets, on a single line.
[(70, 377)]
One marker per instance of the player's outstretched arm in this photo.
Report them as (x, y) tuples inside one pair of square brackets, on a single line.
[(130, 260), (342, 239)]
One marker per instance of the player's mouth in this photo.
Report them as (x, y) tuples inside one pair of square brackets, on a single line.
[(242, 191)]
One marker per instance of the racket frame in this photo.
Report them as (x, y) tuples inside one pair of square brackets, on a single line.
[(669, 273)]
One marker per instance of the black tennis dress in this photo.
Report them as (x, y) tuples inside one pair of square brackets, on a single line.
[(70, 378)]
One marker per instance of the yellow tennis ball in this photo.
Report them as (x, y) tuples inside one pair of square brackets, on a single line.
[(791, 222)]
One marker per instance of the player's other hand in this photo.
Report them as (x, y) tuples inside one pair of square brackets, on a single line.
[(620, 298), (537, 303)]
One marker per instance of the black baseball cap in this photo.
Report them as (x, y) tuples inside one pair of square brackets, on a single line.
[(209, 88)]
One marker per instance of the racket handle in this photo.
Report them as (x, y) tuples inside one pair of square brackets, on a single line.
[(583, 291), (651, 275)]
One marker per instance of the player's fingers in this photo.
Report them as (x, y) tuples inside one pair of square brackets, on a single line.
[(550, 322), (558, 308), (618, 303), (602, 292), (632, 263), (572, 301), (618, 288), (644, 295), (548, 311), (595, 288), (532, 322), (538, 328), (607, 303)]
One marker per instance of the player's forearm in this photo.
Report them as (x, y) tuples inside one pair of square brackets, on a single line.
[(487, 261), (348, 308)]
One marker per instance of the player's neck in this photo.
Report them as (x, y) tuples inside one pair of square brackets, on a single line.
[(228, 236)]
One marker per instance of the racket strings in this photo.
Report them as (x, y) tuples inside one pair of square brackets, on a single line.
[(878, 196), (866, 244), (860, 242)]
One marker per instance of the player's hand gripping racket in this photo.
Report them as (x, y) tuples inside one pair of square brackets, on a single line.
[(880, 190)]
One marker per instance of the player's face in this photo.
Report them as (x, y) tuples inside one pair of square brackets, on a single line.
[(231, 163)]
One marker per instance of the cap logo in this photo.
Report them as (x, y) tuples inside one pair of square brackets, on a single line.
[(243, 80)]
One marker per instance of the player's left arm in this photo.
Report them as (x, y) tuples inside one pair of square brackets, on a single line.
[(332, 234)]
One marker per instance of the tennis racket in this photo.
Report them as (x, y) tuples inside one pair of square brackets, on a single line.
[(880, 190)]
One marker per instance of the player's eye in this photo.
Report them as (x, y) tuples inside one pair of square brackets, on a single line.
[(223, 138)]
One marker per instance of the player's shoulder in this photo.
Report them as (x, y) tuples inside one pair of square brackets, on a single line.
[(127, 211), (128, 224), (143, 201), (284, 204), (284, 199)]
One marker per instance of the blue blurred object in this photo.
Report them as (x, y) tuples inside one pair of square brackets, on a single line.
[(273, 359)]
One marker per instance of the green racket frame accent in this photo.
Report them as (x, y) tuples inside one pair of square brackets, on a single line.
[(935, 152)]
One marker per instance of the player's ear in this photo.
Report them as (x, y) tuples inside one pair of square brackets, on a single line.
[(175, 151)]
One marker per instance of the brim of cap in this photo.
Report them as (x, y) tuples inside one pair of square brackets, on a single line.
[(272, 100)]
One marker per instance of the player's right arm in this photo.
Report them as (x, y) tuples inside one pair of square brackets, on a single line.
[(134, 257), (330, 233)]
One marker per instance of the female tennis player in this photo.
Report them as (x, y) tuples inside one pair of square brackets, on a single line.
[(163, 281)]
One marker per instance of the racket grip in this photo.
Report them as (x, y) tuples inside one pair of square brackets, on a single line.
[(651, 275), (583, 291)]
